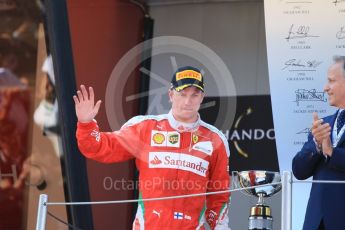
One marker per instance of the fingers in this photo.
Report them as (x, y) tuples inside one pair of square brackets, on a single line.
[(321, 132), (322, 135), (317, 125), (317, 129), (97, 106), (327, 147), (84, 92), (75, 98), (84, 95), (316, 121), (322, 127), (315, 116), (80, 96), (92, 95)]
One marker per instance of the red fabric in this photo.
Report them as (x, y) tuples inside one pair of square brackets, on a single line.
[(14, 112), (168, 165)]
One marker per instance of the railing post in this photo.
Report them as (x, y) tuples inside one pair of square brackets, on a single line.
[(286, 223), (42, 212)]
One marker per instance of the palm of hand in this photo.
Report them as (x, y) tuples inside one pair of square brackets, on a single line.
[(85, 111), (85, 106)]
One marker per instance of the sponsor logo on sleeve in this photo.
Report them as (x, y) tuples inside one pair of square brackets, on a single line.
[(211, 217), (187, 217), (178, 215), (158, 213), (96, 134), (181, 216)]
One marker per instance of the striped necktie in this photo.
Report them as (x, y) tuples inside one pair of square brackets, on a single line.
[(340, 121)]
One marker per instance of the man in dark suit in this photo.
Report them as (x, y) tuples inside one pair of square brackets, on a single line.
[(323, 158)]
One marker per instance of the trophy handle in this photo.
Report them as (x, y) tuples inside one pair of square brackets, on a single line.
[(235, 183), (234, 179)]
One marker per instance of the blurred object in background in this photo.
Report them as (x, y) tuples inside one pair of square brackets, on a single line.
[(9, 62), (46, 114), (28, 160), (14, 129)]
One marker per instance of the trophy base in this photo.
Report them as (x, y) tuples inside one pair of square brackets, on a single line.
[(260, 218)]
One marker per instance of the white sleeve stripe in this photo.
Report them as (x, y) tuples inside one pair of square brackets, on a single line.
[(137, 119)]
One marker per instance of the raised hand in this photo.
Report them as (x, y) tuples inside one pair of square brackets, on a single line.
[(85, 106)]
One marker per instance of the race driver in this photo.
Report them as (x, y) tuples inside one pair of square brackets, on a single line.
[(175, 153)]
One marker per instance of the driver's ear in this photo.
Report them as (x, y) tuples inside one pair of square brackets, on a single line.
[(170, 93)]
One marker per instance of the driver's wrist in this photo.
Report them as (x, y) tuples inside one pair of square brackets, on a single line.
[(85, 121)]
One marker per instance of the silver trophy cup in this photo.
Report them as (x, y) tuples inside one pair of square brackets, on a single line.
[(260, 214)]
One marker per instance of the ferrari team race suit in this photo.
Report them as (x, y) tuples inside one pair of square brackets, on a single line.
[(172, 159)]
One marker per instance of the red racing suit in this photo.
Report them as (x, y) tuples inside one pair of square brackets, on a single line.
[(172, 161)]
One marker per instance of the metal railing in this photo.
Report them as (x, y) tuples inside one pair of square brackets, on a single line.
[(286, 212)]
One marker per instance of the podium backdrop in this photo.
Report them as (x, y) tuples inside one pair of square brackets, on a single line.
[(301, 38)]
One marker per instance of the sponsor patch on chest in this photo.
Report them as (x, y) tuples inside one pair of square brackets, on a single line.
[(158, 138), (204, 146), (178, 161), (165, 139)]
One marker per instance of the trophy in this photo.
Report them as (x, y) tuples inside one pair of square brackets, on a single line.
[(260, 214)]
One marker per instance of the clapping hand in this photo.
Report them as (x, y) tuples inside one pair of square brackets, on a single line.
[(321, 133)]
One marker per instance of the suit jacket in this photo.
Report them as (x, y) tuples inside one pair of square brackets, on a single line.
[(326, 201)]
